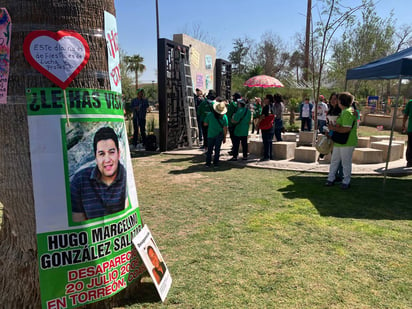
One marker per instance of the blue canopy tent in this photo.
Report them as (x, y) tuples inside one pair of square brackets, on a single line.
[(395, 66)]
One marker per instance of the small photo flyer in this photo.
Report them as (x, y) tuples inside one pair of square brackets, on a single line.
[(154, 262)]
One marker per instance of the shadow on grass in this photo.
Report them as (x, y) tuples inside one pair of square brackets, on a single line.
[(145, 294), (143, 153), (367, 198), (199, 165)]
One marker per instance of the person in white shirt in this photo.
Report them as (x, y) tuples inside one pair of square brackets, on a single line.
[(322, 111)]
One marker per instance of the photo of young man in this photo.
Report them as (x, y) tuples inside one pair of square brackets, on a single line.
[(100, 190)]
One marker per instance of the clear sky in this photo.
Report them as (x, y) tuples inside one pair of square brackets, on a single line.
[(224, 20)]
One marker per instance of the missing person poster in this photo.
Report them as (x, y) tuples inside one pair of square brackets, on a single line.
[(86, 205), (155, 264)]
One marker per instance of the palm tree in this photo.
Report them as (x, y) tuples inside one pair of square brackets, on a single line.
[(135, 64), (296, 61), (18, 247)]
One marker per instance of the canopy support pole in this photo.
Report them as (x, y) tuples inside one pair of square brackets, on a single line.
[(395, 111)]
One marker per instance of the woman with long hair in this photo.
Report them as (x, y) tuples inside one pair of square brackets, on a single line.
[(267, 134)]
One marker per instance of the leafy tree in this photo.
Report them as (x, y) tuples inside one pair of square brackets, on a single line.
[(270, 54), (135, 65), (369, 39), (332, 16), (238, 56), (403, 37)]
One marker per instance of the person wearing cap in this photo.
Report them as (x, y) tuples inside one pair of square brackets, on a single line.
[(139, 106), (216, 123), (407, 113), (231, 110), (322, 111), (205, 107), (240, 120)]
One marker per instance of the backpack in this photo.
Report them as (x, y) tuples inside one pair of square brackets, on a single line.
[(151, 144)]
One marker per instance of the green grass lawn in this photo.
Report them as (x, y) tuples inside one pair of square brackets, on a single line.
[(250, 238)]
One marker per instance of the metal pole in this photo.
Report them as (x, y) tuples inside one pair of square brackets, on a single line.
[(395, 111), (157, 20)]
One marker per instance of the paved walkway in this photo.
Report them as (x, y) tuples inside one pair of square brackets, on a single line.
[(395, 168)]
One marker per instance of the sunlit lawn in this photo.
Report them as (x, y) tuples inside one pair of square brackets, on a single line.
[(251, 238)]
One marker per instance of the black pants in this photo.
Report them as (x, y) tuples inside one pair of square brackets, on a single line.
[(231, 130), (204, 131), (409, 149), (236, 142)]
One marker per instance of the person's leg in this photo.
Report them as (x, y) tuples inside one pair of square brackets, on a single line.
[(321, 124), (334, 163), (346, 156), (270, 146), (309, 124), (142, 126), (210, 143), (409, 150), (256, 124), (205, 139), (265, 138), (302, 124), (217, 145), (231, 135), (253, 126), (135, 131), (235, 148), (199, 127), (278, 134), (244, 146)]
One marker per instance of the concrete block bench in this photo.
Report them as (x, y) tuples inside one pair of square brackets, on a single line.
[(384, 146), (367, 156), (379, 138), (364, 142), (402, 143), (289, 137), (306, 154), (305, 138), (255, 148), (283, 150)]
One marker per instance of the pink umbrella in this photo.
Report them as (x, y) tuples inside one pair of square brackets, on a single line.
[(263, 81)]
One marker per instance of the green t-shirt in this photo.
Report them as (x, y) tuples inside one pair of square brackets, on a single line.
[(214, 128), (408, 111), (347, 119), (205, 107), (257, 111), (231, 110), (242, 128)]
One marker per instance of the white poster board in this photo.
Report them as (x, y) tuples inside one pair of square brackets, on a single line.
[(113, 54), (154, 262)]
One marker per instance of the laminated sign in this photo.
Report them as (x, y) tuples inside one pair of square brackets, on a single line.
[(86, 204), (5, 36)]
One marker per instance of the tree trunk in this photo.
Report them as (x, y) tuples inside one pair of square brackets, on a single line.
[(19, 282)]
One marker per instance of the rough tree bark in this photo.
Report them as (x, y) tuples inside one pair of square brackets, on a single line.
[(19, 282)]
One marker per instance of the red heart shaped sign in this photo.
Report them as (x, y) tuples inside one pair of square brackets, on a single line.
[(60, 56)]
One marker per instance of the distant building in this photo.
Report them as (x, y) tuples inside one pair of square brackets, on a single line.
[(202, 61)]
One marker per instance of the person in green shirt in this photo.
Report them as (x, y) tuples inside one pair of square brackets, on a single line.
[(216, 123), (231, 110), (407, 113), (241, 121), (342, 153), (257, 111), (205, 107)]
